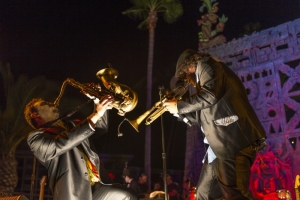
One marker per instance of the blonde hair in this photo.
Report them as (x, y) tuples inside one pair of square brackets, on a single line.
[(29, 109)]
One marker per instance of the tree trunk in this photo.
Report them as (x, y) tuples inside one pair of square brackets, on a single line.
[(148, 105), (8, 174)]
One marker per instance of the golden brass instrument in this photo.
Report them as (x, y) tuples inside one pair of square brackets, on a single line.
[(157, 109), (125, 99)]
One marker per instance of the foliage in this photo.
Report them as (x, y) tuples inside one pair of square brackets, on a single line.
[(206, 4), (13, 126), (223, 19), (142, 9)]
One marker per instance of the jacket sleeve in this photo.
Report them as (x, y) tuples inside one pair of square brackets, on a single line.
[(47, 145), (209, 87), (102, 125), (100, 129)]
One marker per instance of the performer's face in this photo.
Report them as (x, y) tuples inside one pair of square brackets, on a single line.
[(127, 179), (191, 69), (46, 111), (143, 179)]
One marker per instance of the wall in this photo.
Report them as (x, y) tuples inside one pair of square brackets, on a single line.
[(267, 62)]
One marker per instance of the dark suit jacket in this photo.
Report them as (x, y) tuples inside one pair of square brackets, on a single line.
[(133, 185), (222, 108), (58, 151)]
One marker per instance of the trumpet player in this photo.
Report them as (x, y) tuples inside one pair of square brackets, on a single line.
[(63, 147), (230, 125)]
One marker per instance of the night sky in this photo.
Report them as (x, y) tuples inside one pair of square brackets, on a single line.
[(75, 39)]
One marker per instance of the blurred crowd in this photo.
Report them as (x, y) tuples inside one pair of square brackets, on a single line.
[(175, 190)]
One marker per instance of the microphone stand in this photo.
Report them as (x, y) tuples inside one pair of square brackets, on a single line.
[(32, 178), (161, 88)]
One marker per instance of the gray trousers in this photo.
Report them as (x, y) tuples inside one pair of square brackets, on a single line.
[(208, 186), (229, 177)]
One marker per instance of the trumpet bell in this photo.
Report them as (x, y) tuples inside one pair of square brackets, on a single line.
[(134, 124)]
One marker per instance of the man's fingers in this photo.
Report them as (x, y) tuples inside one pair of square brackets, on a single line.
[(106, 100)]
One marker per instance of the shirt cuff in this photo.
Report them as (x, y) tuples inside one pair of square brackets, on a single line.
[(92, 125)]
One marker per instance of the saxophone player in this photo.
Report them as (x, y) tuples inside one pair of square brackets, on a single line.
[(74, 169), (230, 125)]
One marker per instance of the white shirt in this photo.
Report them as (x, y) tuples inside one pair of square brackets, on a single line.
[(209, 152)]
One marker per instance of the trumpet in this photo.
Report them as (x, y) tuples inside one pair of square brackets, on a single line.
[(158, 109), (125, 99)]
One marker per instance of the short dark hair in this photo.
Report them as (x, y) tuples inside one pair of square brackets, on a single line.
[(170, 176), (143, 174), (29, 109)]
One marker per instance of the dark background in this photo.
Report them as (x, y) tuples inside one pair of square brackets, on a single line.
[(75, 39)]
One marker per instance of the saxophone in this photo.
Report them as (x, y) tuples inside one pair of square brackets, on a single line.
[(125, 99)]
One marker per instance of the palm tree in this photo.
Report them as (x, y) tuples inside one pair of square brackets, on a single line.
[(148, 11), (13, 127)]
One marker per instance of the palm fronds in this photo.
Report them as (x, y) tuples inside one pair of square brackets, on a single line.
[(13, 126), (170, 9)]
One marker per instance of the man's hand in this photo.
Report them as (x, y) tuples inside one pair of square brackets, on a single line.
[(171, 106), (104, 104)]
